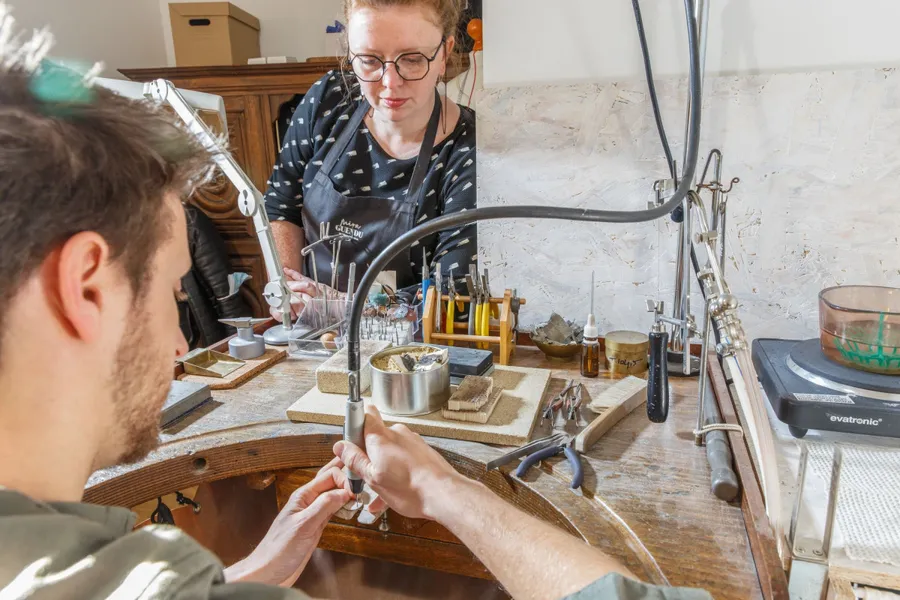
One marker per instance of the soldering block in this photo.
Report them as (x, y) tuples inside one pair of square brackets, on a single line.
[(473, 393), (331, 376), (481, 415)]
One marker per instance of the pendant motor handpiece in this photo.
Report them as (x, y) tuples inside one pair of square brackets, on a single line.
[(354, 428)]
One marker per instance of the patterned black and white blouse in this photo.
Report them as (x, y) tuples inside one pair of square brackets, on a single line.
[(366, 169)]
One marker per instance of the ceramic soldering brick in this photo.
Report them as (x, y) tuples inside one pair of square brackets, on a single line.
[(481, 415), (473, 393), (331, 376)]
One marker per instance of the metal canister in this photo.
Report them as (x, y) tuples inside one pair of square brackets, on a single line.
[(409, 394)]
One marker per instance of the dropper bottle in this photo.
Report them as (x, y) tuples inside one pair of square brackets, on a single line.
[(590, 349)]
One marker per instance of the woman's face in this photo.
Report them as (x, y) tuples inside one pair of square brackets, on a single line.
[(387, 33)]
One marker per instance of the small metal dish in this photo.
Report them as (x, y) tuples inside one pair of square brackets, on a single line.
[(209, 363), (409, 394)]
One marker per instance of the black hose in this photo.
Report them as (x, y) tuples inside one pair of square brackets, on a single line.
[(648, 70), (534, 212)]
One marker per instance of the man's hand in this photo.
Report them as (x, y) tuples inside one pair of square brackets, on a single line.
[(283, 553), (405, 472)]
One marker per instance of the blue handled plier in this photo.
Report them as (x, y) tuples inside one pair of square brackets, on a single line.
[(565, 445)]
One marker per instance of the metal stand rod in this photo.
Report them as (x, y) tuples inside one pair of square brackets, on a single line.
[(704, 368)]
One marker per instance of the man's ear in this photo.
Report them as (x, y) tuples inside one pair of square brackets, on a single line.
[(77, 278)]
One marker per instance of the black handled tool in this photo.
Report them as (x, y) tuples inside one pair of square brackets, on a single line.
[(550, 451), (658, 377)]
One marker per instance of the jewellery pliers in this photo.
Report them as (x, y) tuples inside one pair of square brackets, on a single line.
[(565, 445)]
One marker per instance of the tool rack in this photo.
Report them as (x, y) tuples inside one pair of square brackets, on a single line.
[(504, 338)]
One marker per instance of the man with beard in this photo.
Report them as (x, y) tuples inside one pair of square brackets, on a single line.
[(93, 246)]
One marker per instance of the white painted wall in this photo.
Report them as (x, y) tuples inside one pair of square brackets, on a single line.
[(818, 155), (533, 41), (287, 27), (121, 34)]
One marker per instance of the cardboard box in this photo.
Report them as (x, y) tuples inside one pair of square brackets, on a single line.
[(213, 33)]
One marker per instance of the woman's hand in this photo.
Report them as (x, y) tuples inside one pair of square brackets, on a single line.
[(281, 556), (302, 289)]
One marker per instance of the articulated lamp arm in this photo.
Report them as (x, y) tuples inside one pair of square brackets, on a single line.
[(250, 200)]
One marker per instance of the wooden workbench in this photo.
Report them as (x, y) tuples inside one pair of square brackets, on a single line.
[(652, 475)]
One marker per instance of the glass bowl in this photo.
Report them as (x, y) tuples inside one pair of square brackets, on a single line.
[(859, 326)]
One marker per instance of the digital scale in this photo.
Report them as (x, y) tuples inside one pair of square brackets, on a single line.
[(809, 391)]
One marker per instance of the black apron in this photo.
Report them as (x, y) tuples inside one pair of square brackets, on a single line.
[(372, 222)]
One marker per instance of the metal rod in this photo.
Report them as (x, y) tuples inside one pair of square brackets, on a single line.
[(701, 12), (677, 304), (833, 489), (801, 482), (704, 367), (723, 211), (592, 292), (686, 289), (681, 306)]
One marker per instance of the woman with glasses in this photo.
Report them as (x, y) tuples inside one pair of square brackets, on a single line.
[(374, 150)]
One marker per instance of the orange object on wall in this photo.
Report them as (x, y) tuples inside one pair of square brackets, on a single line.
[(475, 32)]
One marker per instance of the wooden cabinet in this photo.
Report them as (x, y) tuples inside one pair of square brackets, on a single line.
[(259, 100)]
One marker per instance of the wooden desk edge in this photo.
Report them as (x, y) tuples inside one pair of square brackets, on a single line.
[(772, 578)]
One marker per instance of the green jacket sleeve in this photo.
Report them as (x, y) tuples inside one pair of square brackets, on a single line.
[(614, 586)]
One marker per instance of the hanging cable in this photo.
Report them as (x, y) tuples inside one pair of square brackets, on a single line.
[(654, 101)]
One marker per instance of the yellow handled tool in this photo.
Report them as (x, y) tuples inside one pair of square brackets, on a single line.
[(495, 308), (486, 323), (451, 308), (478, 311)]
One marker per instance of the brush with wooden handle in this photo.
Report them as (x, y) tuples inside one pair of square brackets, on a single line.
[(612, 405)]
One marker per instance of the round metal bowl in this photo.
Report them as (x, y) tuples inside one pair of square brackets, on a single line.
[(558, 351), (409, 394)]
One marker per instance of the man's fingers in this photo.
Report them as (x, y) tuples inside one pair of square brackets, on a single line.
[(334, 462), (354, 458), (373, 419), (325, 480), (377, 506), (323, 507)]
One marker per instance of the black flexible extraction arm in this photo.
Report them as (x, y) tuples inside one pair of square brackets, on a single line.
[(354, 423)]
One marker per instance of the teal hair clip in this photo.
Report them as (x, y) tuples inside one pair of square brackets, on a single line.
[(57, 85)]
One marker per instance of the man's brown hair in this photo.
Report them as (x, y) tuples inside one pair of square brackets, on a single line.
[(86, 160)]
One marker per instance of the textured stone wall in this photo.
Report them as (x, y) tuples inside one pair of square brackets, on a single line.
[(818, 155)]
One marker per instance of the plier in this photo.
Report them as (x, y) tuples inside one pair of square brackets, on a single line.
[(485, 321), (451, 306), (495, 308), (565, 445), (439, 287), (426, 278), (473, 304)]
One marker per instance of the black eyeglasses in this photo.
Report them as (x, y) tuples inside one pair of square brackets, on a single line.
[(411, 66)]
